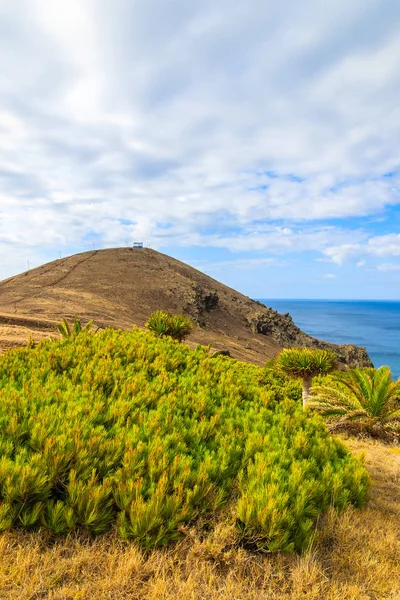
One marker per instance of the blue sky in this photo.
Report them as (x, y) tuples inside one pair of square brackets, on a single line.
[(256, 140)]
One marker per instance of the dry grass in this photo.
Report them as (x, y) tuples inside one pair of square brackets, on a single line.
[(355, 557)]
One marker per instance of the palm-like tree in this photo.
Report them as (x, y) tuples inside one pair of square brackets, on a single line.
[(306, 363), (368, 396)]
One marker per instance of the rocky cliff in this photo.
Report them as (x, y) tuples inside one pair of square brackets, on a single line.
[(284, 331)]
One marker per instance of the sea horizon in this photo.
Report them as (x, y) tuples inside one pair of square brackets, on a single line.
[(330, 300), (373, 324)]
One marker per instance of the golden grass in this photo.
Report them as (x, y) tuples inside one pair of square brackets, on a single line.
[(354, 557)]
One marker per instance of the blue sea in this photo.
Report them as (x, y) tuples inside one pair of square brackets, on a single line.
[(373, 324)]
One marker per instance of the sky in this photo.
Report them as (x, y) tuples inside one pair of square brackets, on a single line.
[(259, 141)]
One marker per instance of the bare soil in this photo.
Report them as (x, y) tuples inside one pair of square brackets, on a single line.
[(121, 287)]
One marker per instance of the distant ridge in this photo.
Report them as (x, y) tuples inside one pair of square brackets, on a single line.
[(121, 287)]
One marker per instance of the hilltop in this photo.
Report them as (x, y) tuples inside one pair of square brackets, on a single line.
[(123, 286)]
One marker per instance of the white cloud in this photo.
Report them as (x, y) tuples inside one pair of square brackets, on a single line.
[(241, 263), (388, 267), (197, 123), (377, 246), (385, 245), (330, 276), (344, 252)]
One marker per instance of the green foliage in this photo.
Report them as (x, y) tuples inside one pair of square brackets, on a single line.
[(67, 332), (176, 326), (278, 511), (365, 395), (280, 385), (59, 518), (301, 362), (131, 430)]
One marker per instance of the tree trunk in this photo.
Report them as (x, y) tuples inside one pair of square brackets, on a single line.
[(307, 379)]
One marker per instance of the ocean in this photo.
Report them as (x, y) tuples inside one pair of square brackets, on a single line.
[(373, 324)]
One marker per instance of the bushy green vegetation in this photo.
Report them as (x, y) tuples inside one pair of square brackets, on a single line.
[(368, 397), (162, 324), (306, 363), (66, 330), (129, 430)]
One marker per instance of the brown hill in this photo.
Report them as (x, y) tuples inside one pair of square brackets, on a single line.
[(121, 287)]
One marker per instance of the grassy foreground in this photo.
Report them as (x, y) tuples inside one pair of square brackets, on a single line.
[(128, 436), (356, 556), (124, 430)]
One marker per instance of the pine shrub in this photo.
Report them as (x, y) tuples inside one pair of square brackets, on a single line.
[(130, 430), (163, 324), (67, 331)]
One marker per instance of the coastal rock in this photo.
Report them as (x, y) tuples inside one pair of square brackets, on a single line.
[(282, 329), (355, 356)]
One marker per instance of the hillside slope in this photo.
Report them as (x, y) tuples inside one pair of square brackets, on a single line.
[(121, 287)]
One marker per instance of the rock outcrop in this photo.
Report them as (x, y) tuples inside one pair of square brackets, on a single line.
[(284, 331), (201, 301)]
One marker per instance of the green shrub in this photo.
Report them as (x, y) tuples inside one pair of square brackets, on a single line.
[(368, 397), (280, 385), (128, 429), (176, 326), (180, 326), (67, 331)]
